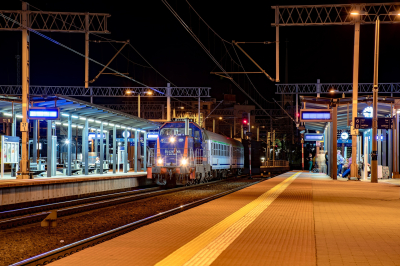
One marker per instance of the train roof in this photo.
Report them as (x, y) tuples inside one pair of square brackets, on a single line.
[(219, 138)]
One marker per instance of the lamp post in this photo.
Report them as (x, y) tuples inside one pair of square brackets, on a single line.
[(147, 92), (374, 153)]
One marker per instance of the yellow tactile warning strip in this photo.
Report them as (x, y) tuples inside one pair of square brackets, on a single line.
[(205, 248)]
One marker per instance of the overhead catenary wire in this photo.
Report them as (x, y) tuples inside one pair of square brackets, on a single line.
[(208, 52), (108, 40)]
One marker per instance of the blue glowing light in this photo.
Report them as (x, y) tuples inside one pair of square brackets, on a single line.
[(43, 113)]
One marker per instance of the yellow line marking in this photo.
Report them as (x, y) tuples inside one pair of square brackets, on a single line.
[(205, 248)]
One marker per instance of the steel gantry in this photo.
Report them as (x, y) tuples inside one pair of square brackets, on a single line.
[(27, 21), (328, 88), (342, 14)]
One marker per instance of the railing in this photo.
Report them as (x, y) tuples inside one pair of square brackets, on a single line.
[(176, 157), (276, 163)]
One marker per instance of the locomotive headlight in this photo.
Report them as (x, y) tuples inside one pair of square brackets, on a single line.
[(172, 139), (159, 161), (184, 161)]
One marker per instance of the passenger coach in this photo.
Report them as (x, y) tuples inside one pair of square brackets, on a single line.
[(187, 154)]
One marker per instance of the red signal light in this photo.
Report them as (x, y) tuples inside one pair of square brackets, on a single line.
[(244, 121), (298, 115)]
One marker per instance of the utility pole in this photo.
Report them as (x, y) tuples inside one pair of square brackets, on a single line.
[(27, 21), (354, 132), (25, 94), (374, 153)]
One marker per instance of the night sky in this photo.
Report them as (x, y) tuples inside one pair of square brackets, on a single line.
[(324, 53)]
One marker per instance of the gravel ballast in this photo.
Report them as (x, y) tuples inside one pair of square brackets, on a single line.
[(30, 240)]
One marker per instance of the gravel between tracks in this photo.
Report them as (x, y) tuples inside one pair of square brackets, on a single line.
[(30, 240)]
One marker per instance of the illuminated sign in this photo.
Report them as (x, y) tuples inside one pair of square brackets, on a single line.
[(368, 112), (315, 115), (152, 136), (123, 134), (313, 137), (344, 135), (44, 113), (93, 135)]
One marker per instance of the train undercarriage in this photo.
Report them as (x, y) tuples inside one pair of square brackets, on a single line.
[(172, 177)]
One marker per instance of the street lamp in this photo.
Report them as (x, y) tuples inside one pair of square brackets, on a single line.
[(374, 153)]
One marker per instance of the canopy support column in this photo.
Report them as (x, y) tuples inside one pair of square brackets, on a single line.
[(114, 157), (145, 151), (35, 140), (101, 148), (85, 147), (334, 142), (69, 159), (125, 167), (135, 158), (49, 144)]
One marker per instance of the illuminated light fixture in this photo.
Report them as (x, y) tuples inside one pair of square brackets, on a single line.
[(82, 118), (117, 126), (65, 124), (398, 111), (80, 126), (358, 12), (73, 125), (129, 128), (105, 131), (220, 118), (184, 161), (19, 116), (119, 143), (159, 161), (127, 135), (58, 123), (65, 114), (7, 114), (144, 131), (149, 93), (66, 141), (105, 124), (74, 116), (111, 124), (128, 92), (90, 120), (396, 13), (123, 126), (97, 121), (152, 136), (172, 139)]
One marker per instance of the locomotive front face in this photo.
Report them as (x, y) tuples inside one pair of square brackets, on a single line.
[(174, 149)]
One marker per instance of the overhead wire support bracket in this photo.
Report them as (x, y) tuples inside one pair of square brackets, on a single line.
[(254, 62), (284, 110), (257, 42), (217, 73), (109, 62)]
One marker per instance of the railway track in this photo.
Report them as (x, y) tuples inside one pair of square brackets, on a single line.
[(65, 208), (59, 253)]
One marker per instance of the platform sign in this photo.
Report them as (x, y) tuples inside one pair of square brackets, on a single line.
[(316, 115), (39, 113), (5, 120), (313, 137), (363, 123), (9, 151), (385, 123)]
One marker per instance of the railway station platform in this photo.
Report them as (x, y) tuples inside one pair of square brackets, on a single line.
[(297, 218), (16, 193)]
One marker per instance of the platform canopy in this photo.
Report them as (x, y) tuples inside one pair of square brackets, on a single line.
[(344, 110), (80, 111)]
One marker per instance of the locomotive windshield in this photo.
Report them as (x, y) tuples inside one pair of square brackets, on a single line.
[(174, 131)]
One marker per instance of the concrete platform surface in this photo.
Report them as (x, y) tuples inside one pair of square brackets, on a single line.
[(297, 218), (9, 181)]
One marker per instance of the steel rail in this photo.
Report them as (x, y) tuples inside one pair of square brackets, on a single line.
[(68, 207), (70, 249)]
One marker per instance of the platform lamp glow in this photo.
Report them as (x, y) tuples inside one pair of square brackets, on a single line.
[(374, 153)]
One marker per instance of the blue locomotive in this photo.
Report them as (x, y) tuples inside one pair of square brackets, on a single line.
[(187, 154)]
